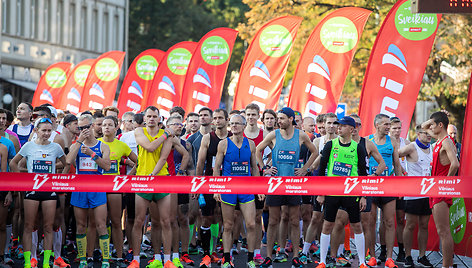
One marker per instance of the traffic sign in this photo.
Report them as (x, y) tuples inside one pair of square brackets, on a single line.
[(341, 110)]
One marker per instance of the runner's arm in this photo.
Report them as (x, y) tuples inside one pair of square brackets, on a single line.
[(166, 147), (134, 158), (361, 161), (72, 155), (397, 167), (143, 141), (191, 166), (220, 154), (185, 155), (325, 158), (307, 142), (14, 163), (104, 161), (202, 153), (4, 155), (374, 152), (451, 152), (254, 167)]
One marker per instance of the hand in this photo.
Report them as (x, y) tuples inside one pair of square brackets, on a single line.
[(170, 131), (362, 204), (84, 134), (272, 171), (217, 197), (86, 150), (261, 197), (8, 200), (320, 199), (194, 196), (300, 172)]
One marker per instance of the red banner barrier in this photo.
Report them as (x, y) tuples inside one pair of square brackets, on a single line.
[(356, 186)]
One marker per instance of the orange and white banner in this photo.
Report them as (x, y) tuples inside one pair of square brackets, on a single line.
[(50, 84), (265, 64), (325, 61)]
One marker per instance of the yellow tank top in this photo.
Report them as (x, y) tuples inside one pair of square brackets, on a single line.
[(148, 160)]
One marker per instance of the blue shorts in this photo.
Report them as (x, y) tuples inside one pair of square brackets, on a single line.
[(233, 199), (88, 199)]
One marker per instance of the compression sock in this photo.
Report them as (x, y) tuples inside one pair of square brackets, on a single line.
[(8, 231), (214, 230), (34, 244), (57, 243), (192, 229), (104, 241), (347, 236), (324, 244), (81, 246), (360, 247), (27, 256), (47, 256), (205, 236)]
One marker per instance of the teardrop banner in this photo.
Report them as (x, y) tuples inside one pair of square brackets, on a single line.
[(138, 80), (50, 84), (168, 82), (324, 63), (73, 90), (100, 87), (207, 70), (396, 66), (265, 64)]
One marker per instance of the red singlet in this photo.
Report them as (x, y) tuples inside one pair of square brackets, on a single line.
[(438, 169)]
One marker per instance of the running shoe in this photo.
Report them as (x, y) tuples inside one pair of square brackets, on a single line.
[(244, 245), (281, 257), (105, 264), (206, 262), (90, 262), (342, 261), (19, 252), (214, 258), (120, 263), (251, 264), (8, 260), (372, 262), (390, 263), (60, 263), (316, 254), (303, 258), (423, 261), (363, 266), (177, 263), (289, 246), (296, 263), (154, 264), (84, 264), (134, 264), (258, 259), (321, 265), (129, 256), (186, 260), (34, 263), (267, 263), (330, 261), (227, 265), (313, 247), (192, 250), (275, 249), (401, 257), (409, 262), (170, 264), (142, 255)]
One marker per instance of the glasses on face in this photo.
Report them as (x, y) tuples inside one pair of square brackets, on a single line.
[(128, 121), (235, 123), (84, 127), (176, 124), (358, 124)]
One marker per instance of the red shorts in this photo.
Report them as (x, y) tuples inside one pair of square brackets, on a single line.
[(436, 200)]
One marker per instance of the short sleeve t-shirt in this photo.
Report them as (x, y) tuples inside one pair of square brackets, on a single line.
[(41, 158), (117, 150), (9, 144)]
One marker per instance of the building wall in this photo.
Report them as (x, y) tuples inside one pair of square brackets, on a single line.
[(37, 33)]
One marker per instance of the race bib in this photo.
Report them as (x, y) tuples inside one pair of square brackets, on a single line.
[(299, 163), (286, 157), (384, 173), (239, 168), (342, 169), (42, 166), (113, 167), (87, 164)]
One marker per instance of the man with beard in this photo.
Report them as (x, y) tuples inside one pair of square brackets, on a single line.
[(24, 128)]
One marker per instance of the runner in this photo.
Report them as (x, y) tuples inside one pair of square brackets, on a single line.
[(154, 148), (23, 129), (193, 124), (98, 118), (343, 157), (320, 125), (285, 154), (419, 156), (4, 126), (395, 132), (452, 131), (445, 163), (388, 148), (6, 199), (41, 156), (237, 155), (206, 159), (118, 149), (90, 156), (70, 131)]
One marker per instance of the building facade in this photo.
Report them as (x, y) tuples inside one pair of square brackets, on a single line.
[(37, 33)]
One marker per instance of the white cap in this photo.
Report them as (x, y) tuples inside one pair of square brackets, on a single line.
[(53, 111)]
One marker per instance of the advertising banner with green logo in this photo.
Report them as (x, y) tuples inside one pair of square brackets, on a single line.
[(138, 80), (100, 87), (396, 66), (265, 64), (72, 92), (324, 63), (50, 84), (207, 70), (168, 82)]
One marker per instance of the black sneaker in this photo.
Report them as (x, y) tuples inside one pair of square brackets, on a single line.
[(267, 263), (401, 257), (97, 255), (424, 262), (296, 263), (409, 262)]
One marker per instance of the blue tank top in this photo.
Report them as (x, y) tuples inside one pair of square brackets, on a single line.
[(386, 150), (84, 163), (23, 138), (178, 156), (286, 153), (237, 161)]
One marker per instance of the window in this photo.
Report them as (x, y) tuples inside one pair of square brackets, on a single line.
[(34, 18), (106, 32), (83, 26), (93, 34), (4, 15), (47, 23), (19, 18), (59, 24), (71, 25)]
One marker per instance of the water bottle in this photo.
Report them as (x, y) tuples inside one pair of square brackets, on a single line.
[(201, 201)]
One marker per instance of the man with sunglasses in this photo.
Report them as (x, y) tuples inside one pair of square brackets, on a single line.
[(90, 156), (44, 112), (419, 156), (23, 129)]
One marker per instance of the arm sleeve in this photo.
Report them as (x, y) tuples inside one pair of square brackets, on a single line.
[(361, 161), (325, 158)]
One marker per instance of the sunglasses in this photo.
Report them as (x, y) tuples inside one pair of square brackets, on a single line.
[(235, 123), (176, 124), (38, 115), (85, 127), (44, 120)]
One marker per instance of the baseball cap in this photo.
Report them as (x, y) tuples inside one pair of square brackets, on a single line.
[(347, 120), (53, 111), (69, 118), (289, 113)]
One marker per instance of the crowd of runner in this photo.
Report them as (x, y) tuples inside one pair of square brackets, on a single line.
[(59, 227)]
